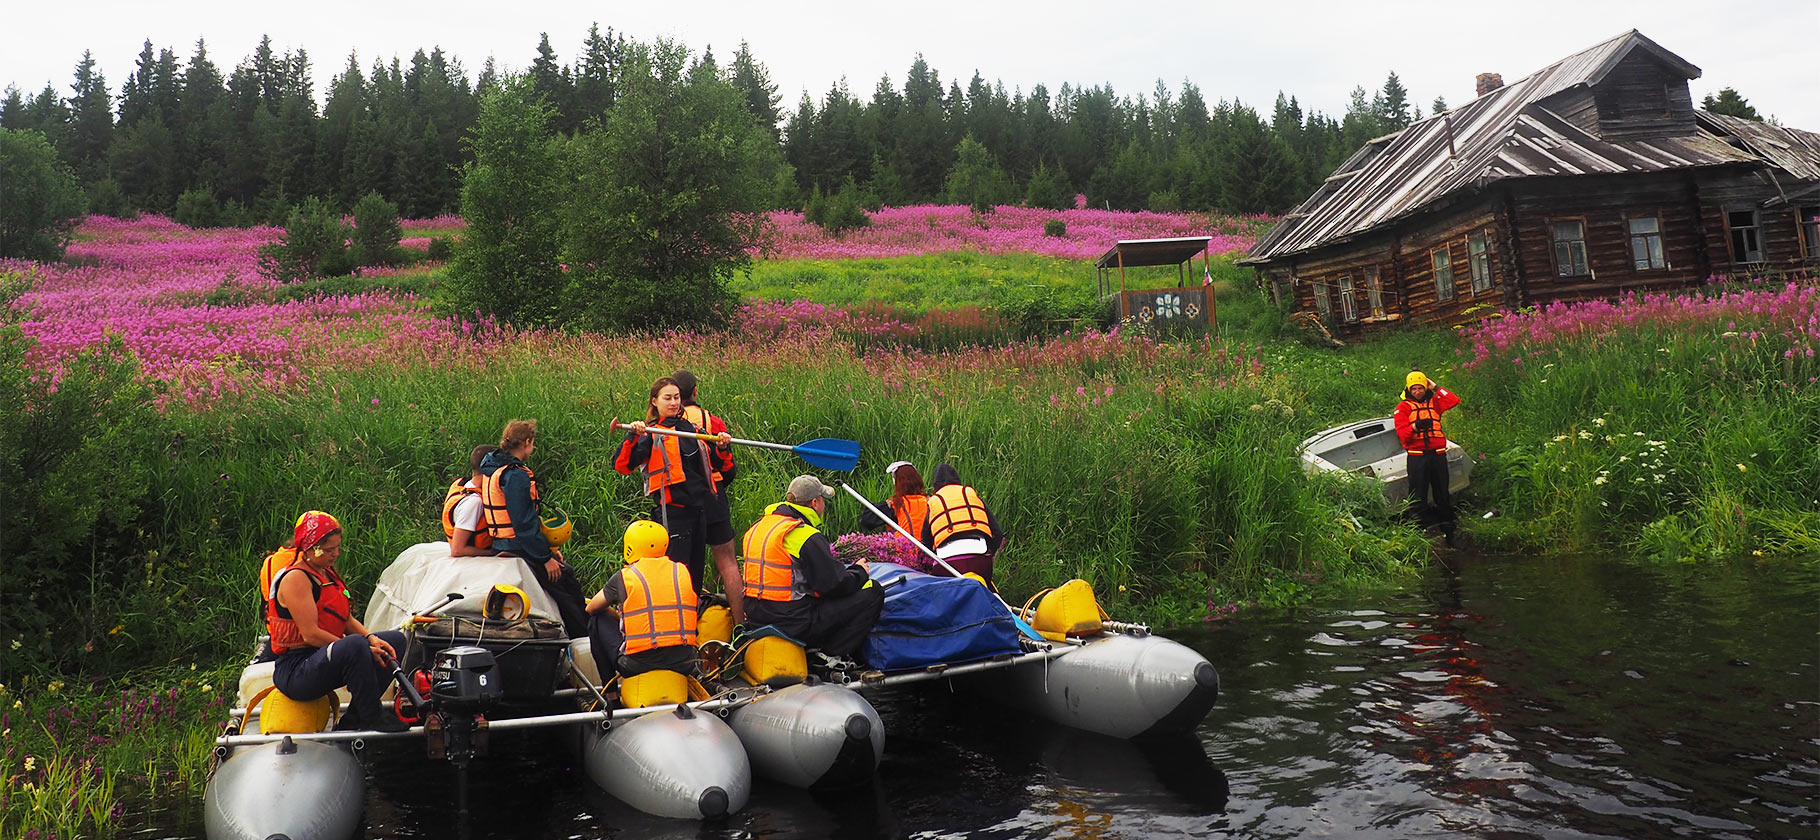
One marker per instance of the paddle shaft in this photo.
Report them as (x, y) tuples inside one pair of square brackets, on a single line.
[(660, 430)]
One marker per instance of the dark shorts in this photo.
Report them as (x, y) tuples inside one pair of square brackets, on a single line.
[(718, 517)]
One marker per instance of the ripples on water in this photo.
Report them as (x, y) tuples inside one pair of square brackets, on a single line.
[(1510, 697)]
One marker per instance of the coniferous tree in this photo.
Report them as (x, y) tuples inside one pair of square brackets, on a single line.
[(1393, 104), (91, 122), (1731, 104), (753, 80), (551, 81)]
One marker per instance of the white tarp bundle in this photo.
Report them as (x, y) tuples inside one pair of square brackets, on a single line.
[(424, 575)]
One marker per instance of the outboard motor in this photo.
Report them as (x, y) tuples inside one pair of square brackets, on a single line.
[(463, 686)]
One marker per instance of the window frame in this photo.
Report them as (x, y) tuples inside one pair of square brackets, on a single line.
[(1479, 263), (1374, 292), (1349, 301), (1323, 305), (1731, 235), (1442, 293), (1807, 223), (1555, 244), (1658, 252)]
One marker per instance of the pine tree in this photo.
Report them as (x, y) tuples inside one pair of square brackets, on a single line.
[(1439, 106), (1393, 108), (551, 81)]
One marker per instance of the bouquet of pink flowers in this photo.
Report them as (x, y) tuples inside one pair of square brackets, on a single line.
[(888, 547)]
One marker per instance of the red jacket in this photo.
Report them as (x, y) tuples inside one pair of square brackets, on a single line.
[(1409, 411)]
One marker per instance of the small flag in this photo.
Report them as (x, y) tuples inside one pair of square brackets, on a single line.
[(1207, 276)]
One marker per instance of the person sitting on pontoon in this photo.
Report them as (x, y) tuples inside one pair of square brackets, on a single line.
[(644, 618), (794, 583)]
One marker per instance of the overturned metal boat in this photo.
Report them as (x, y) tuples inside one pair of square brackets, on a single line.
[(1370, 448)]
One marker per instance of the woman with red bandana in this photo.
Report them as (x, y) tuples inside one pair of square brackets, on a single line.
[(320, 645)]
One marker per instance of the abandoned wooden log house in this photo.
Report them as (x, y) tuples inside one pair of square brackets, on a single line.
[(1594, 177)]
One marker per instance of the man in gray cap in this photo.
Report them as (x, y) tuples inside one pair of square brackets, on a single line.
[(793, 581)]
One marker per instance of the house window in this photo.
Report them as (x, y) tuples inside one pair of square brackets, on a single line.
[(1810, 232), (1321, 302), (1478, 256), (1349, 305), (1570, 249), (1374, 293), (1646, 244), (1443, 273), (1747, 243)]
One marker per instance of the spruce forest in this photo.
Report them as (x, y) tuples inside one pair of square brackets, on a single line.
[(243, 145)]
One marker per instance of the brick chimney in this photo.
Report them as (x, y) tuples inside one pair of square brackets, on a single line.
[(1489, 82)]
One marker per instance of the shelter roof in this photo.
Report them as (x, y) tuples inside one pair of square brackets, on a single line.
[(1142, 252)]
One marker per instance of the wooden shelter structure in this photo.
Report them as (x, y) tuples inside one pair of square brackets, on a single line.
[(1166, 307), (1593, 177)]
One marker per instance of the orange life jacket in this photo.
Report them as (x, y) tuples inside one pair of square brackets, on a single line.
[(956, 508), (660, 607), (768, 570), (718, 462), (1433, 440), (458, 491), (663, 467), (912, 512), (331, 597), (493, 503), (275, 562)]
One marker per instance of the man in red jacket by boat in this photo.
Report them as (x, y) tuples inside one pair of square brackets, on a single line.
[(1418, 419)]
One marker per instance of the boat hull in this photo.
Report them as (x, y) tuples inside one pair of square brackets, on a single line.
[(1369, 448), (1117, 685), (303, 790), (812, 736), (684, 766)]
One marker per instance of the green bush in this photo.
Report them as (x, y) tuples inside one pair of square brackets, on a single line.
[(197, 208), (376, 232), (842, 211), (314, 245), (81, 460), (39, 199), (439, 249), (1055, 227), (106, 199)]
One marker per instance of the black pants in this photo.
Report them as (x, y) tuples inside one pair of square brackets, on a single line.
[(566, 592), (1428, 475), (688, 528), (304, 674), (605, 641), (837, 626)]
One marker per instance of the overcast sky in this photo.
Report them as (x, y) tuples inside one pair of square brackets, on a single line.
[(1316, 51)]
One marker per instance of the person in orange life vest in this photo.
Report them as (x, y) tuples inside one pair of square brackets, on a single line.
[(909, 502), (644, 618), (463, 517), (1418, 419), (675, 477), (717, 512), (793, 581), (961, 529), (320, 645), (511, 503)]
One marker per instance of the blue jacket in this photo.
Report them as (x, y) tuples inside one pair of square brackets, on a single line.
[(526, 520)]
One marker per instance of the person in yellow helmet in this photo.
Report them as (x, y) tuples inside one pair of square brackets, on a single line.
[(644, 618), (1418, 421)]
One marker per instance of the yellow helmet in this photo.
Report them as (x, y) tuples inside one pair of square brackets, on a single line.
[(557, 528), (645, 538)]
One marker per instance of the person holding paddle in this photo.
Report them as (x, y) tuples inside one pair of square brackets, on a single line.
[(677, 477), (718, 527)]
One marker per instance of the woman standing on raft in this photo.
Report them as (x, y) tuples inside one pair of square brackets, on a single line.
[(676, 477)]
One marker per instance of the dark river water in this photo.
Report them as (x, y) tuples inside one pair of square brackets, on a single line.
[(1504, 697)]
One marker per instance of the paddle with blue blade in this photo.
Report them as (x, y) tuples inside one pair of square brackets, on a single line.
[(890, 520), (828, 453)]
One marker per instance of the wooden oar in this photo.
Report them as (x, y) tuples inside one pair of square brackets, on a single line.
[(827, 453), (892, 521)]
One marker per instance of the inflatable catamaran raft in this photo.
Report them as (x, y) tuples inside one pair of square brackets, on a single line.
[(663, 743)]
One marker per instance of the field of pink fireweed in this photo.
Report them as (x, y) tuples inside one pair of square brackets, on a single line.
[(1682, 424), (932, 229), (153, 283)]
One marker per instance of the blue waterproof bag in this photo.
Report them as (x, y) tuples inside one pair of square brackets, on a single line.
[(930, 620)]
